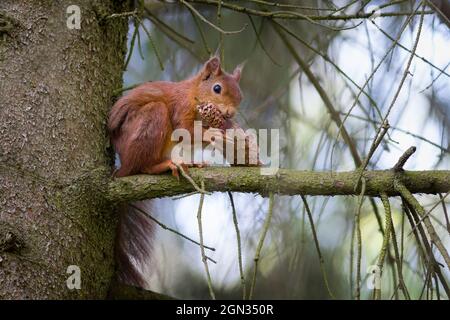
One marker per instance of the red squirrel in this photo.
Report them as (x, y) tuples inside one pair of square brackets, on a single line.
[(140, 125)]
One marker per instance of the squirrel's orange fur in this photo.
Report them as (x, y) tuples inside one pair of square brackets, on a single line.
[(140, 126), (141, 123)]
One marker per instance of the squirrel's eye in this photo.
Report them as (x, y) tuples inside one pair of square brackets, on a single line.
[(217, 88)]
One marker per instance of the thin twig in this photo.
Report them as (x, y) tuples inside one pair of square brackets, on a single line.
[(162, 225), (259, 41), (198, 14), (202, 247), (392, 47), (402, 81), (327, 59), (445, 212), (161, 24), (260, 245), (188, 178), (399, 45), (359, 239), (140, 46), (202, 34), (185, 195), (402, 160), (399, 260), (219, 24), (387, 234), (426, 250), (429, 211), (379, 138), (238, 239), (133, 39), (295, 15), (175, 37), (400, 187), (121, 90), (152, 43), (316, 242), (287, 5), (322, 93), (394, 128)]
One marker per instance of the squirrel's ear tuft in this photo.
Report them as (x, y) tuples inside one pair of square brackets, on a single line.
[(212, 66), (238, 70)]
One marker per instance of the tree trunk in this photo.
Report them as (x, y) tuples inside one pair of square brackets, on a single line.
[(56, 193), (56, 88)]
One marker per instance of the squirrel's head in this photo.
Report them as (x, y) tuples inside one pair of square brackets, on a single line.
[(219, 88)]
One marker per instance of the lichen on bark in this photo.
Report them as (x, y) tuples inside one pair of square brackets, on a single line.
[(288, 182)]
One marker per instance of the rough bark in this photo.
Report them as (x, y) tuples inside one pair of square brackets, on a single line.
[(56, 194), (56, 87), (288, 182)]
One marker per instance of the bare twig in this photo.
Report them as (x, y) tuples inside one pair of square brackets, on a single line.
[(328, 104), (191, 181), (316, 242), (399, 260), (419, 209), (202, 34), (402, 160), (429, 211), (238, 239), (445, 212), (387, 234), (198, 14), (402, 81), (295, 15), (133, 39), (162, 225), (394, 128), (185, 195), (150, 39), (379, 138), (162, 25), (393, 45), (202, 247), (399, 45), (259, 40), (359, 239), (425, 250), (260, 245)]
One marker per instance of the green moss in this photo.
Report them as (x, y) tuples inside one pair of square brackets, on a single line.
[(288, 182)]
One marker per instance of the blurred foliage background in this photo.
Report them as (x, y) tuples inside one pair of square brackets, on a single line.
[(342, 54)]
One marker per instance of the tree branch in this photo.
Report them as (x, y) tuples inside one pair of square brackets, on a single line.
[(296, 15), (287, 182)]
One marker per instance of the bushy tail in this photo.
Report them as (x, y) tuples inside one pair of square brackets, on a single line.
[(134, 244)]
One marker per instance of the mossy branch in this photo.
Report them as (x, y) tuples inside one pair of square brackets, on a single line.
[(287, 182)]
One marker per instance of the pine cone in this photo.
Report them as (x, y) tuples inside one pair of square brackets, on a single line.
[(210, 115)]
